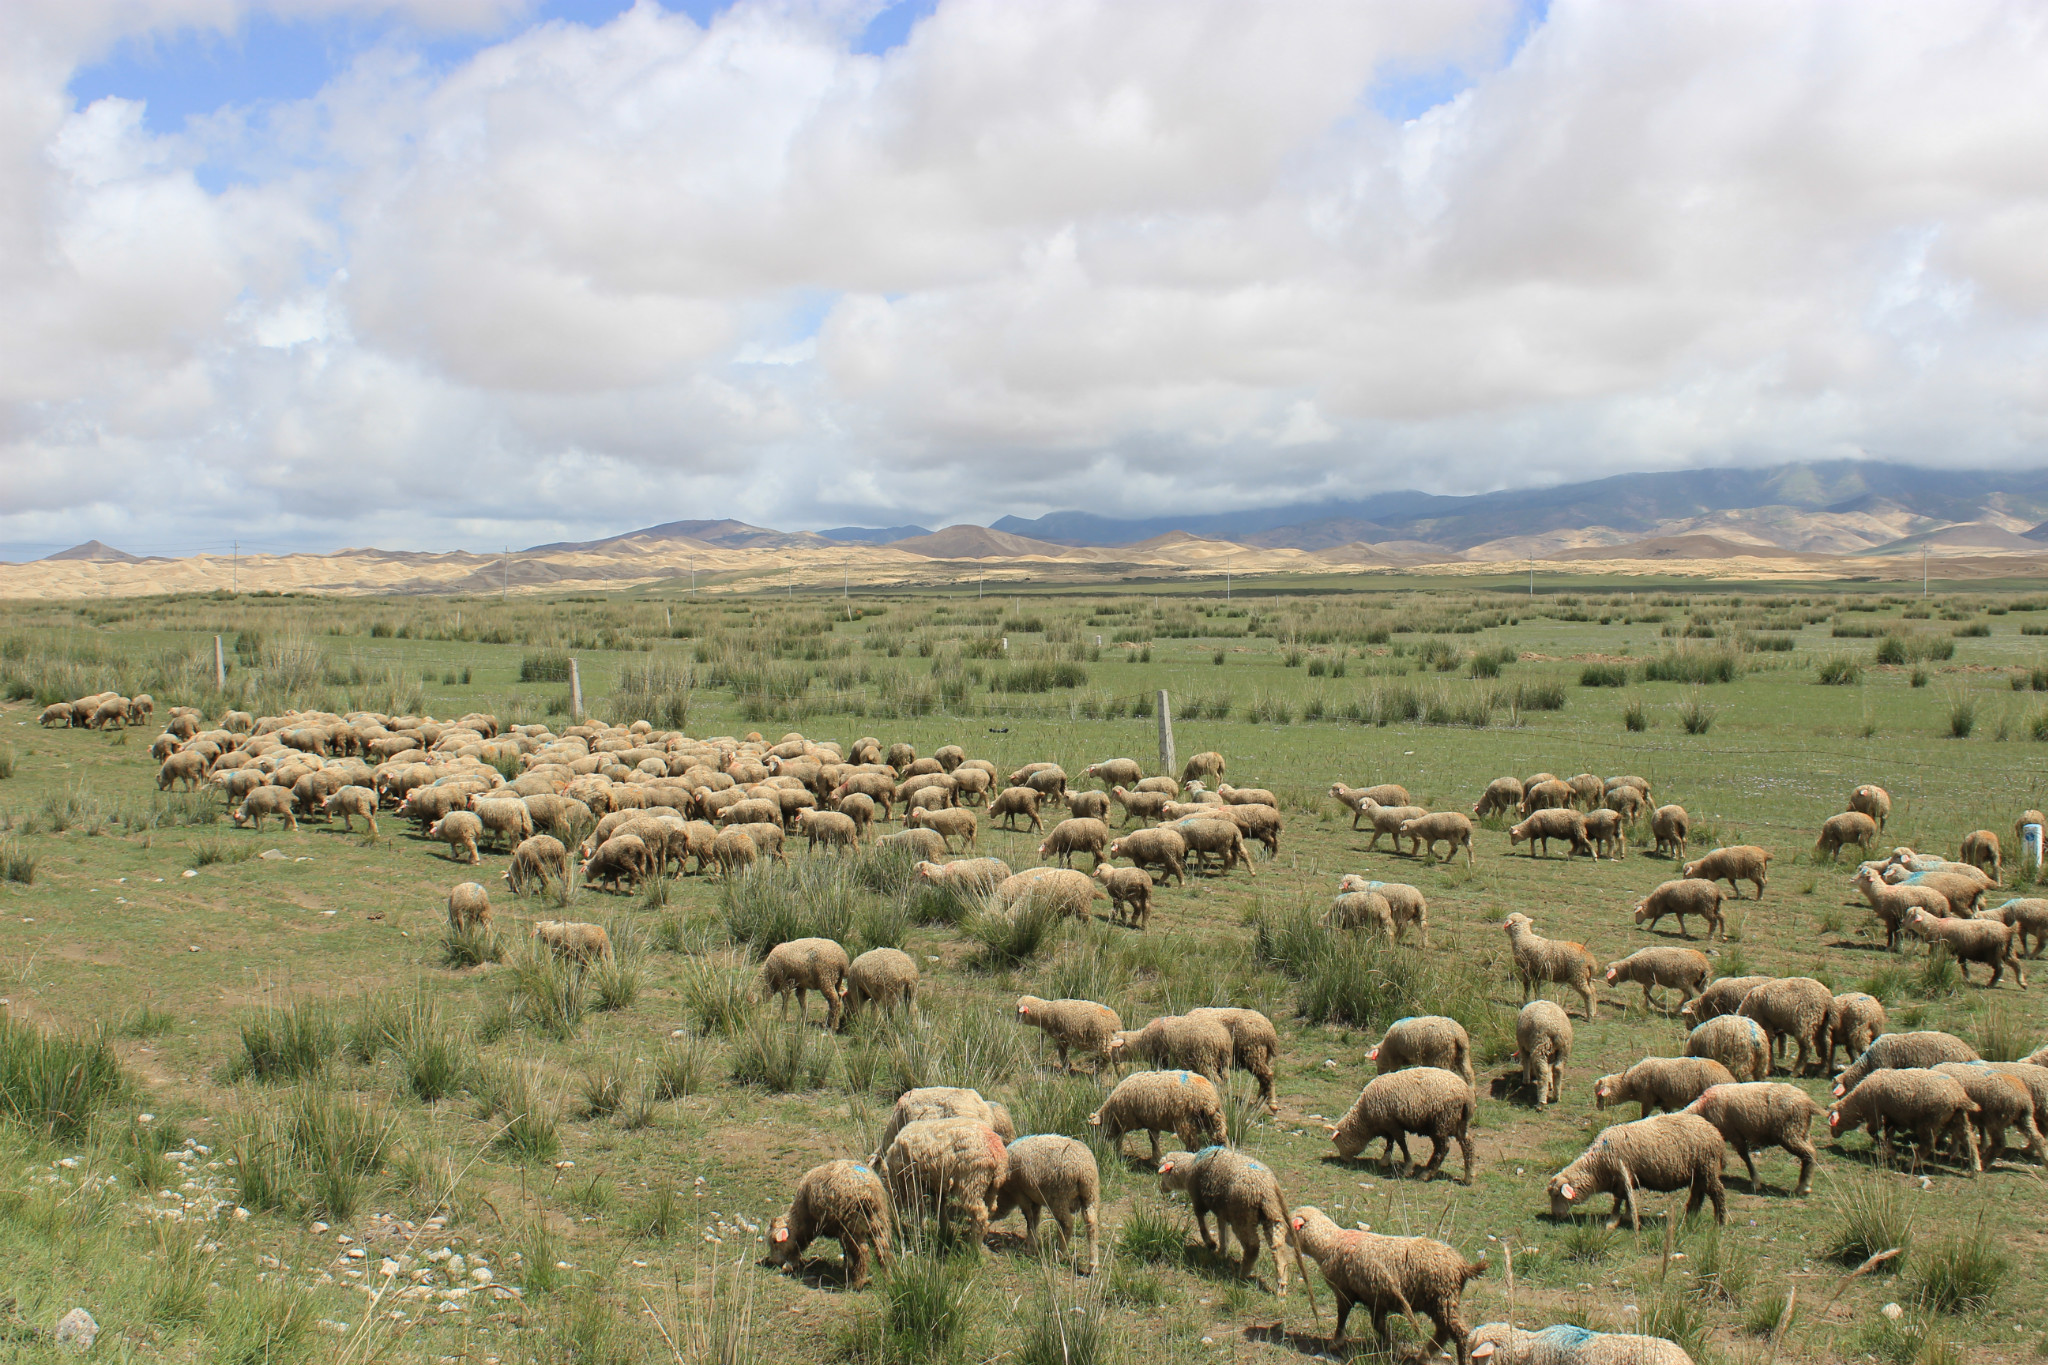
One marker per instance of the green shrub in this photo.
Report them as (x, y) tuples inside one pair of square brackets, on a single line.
[(920, 1311), (17, 863), (1869, 1216), (1539, 696), (1635, 717), (1962, 716), (1961, 1273), (287, 1043), (1695, 666), (771, 904), (716, 999), (1603, 675), (1696, 716), (1840, 671), (472, 945), (1155, 1234), (1009, 938), (542, 992), (781, 1059)]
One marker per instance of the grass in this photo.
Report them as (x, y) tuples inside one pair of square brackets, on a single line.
[(1009, 938), (55, 1083), (1869, 1216), (1960, 1273), (287, 1042), (1840, 671), (781, 1058)]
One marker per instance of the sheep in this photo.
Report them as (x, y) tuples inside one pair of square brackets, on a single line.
[(949, 756), (858, 807), (947, 824), (1424, 1040), (1554, 960), (928, 844), (509, 820), (1175, 1042), (1165, 786), (1162, 848), (1720, 997), (806, 964), (1988, 941), (469, 907), (969, 875), (1405, 903), (1763, 1114), (1389, 1274), (2035, 1079), (1447, 827), (56, 713), (845, 1200), (349, 802), (1059, 889), (1386, 794), (1076, 1025), (1207, 764), (1144, 805), (1387, 820), (2028, 917), (579, 943), (187, 766), (1244, 1196), (1925, 1102), (828, 827), (1628, 803), (1854, 1020), (1246, 796), (534, 859), (1661, 1083), (1115, 772), (1050, 782), (1218, 837), (1428, 1101), (1850, 827), (1737, 1043), (1964, 890), (1543, 1039), (1661, 1153), (1362, 910), (1501, 795), (1737, 863), (1891, 904), (262, 801), (887, 976), (956, 1163), (621, 858), (1155, 1102), (734, 851), (1552, 822), (1069, 837), (928, 798), (1682, 897), (1980, 849), (429, 804), (1604, 832), (2003, 1101), (1254, 1043), (1088, 805), (900, 756), (1873, 802), (1671, 827), (1259, 824), (1794, 1007), (1055, 1174), (941, 1102), (1500, 1343), (1921, 1048), (1130, 893), (1682, 969), (561, 816)]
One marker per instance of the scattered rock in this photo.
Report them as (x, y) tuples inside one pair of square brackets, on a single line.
[(1892, 1311), (77, 1328), (271, 855)]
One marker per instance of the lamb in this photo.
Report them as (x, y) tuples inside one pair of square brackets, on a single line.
[(1854, 1021), (1737, 1043), (1164, 849), (1543, 1039), (1671, 827), (1683, 897), (262, 801), (1850, 827), (806, 964), (1764, 1114), (1069, 837), (349, 802), (1387, 820), (469, 907), (1388, 1275), (939, 1164), (1130, 893), (921, 843), (942, 1102), (1115, 772), (1254, 1044), (507, 819), (1428, 1101), (1060, 889), (1988, 941), (1794, 1007), (887, 976), (1175, 1042), (845, 1200), (1424, 1040), (1142, 804), (1661, 1083), (1207, 764), (1552, 822), (579, 943), (1736, 863), (1405, 903), (1220, 838), (1244, 1196), (1054, 1174), (1547, 959), (2003, 1101), (859, 808), (1661, 1153), (1891, 904), (1919, 1049), (1721, 997), (2028, 917), (1501, 795), (1445, 827), (828, 827), (1155, 1102), (1259, 824), (1076, 1025), (1627, 802), (1927, 1103), (56, 713), (971, 875), (1981, 850), (1964, 890), (947, 824), (1604, 832), (1499, 1343), (1682, 969)]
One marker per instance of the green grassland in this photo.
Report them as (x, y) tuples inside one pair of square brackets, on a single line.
[(612, 1147)]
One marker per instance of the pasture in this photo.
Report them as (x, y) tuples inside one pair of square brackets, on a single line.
[(325, 1077)]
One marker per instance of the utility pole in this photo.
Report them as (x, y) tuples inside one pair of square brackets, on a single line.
[(1166, 761), (505, 574), (575, 691), (1226, 580), (1532, 575)]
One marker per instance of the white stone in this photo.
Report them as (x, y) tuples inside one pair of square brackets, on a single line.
[(77, 1328), (481, 1275), (1892, 1311)]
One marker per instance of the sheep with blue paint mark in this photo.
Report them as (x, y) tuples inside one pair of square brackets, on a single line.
[(1424, 1040), (1427, 1101), (1386, 1275), (1737, 1043), (1242, 1193), (840, 1199), (1052, 1173), (1155, 1102), (1497, 1343), (1665, 1152)]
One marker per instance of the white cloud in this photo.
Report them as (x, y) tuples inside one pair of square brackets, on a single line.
[(1131, 256)]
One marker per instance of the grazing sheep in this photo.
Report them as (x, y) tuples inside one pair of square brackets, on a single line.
[(1498, 1343), (1720, 997), (1254, 1044), (1130, 893), (887, 976), (1155, 1102), (1070, 836), (349, 802), (1060, 889), (1872, 801), (1244, 1196), (845, 1200), (262, 801), (1552, 822), (1736, 863), (1427, 1101), (534, 859), (459, 829), (2035, 1079), (1684, 970), (1629, 803), (858, 807), (969, 875), (1388, 820), (1054, 1174), (2028, 917), (1162, 848), (187, 766), (928, 798), (828, 827), (1176, 1042), (1794, 1007), (1854, 1021), (58, 713), (1964, 890), (1981, 850), (1988, 941), (1424, 1040), (734, 851), (1604, 832), (469, 907), (1662, 1153), (1546, 794), (1088, 805), (1446, 827), (1683, 897), (622, 858), (1219, 838), (1165, 786), (1362, 910), (1076, 1025), (941, 1102), (942, 1164), (900, 756), (1389, 1275), (1850, 827), (1050, 782), (1405, 903), (947, 824), (1503, 794), (1919, 1049), (579, 943), (1555, 960), (1764, 1114), (1543, 1040), (1145, 805), (1737, 1043), (1891, 904), (1012, 802), (1246, 796), (922, 843), (1671, 827), (802, 965), (506, 819), (1925, 1103), (1115, 772), (1660, 1083), (1205, 765), (2003, 1101), (1259, 824)]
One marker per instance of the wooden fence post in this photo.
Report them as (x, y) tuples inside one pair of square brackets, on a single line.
[(1166, 762)]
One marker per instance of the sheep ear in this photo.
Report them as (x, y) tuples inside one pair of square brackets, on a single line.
[(1330, 1128), (1568, 1192), (782, 1234), (1483, 1351)]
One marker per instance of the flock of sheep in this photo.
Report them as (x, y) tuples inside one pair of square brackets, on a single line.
[(635, 802)]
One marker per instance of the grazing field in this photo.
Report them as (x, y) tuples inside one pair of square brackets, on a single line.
[(325, 1071)]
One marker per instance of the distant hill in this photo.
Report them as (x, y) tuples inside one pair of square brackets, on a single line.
[(874, 535), (98, 553), (724, 534), (980, 542)]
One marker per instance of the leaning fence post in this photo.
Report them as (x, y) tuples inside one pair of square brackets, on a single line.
[(575, 691), (1166, 762)]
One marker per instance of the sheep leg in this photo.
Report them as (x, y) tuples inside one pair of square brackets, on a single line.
[(1466, 1148), (1592, 1006), (1437, 1147), (1626, 1197), (1343, 1312)]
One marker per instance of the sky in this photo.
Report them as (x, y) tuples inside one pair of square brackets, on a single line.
[(440, 274)]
